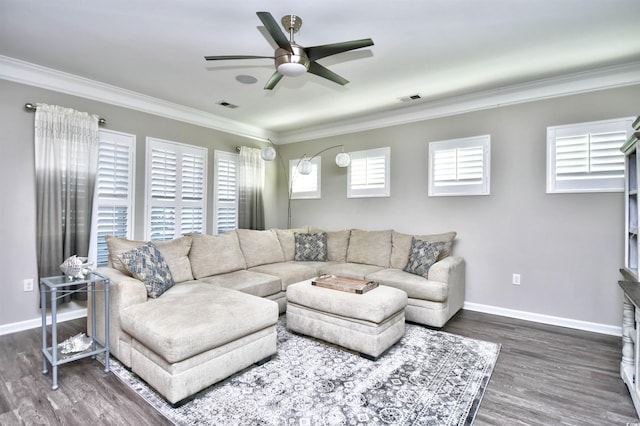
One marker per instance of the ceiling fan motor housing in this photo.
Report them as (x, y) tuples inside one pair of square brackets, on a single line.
[(292, 63)]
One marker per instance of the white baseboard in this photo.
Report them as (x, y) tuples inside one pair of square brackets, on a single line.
[(495, 310), (37, 322), (545, 319)]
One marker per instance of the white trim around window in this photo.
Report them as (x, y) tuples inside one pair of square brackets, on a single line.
[(586, 157), (368, 173), (460, 167)]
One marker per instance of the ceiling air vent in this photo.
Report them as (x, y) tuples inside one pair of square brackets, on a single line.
[(227, 104), (411, 98)]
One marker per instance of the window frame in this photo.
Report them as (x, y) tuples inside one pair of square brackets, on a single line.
[(219, 156), (588, 183), (370, 191), (294, 175), (180, 149), (97, 246), (457, 188)]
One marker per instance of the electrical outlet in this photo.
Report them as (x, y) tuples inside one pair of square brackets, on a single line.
[(515, 279), (28, 284)]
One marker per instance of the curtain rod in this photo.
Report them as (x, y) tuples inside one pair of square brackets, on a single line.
[(32, 107)]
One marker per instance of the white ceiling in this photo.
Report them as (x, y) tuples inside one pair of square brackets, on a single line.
[(436, 48)]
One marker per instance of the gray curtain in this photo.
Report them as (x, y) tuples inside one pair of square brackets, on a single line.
[(66, 163), (250, 189)]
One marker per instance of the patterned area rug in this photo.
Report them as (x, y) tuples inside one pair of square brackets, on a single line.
[(428, 378)]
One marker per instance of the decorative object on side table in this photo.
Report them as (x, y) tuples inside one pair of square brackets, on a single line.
[(78, 343), (75, 267)]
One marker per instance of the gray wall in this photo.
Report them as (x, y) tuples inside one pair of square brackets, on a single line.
[(17, 192), (567, 247)]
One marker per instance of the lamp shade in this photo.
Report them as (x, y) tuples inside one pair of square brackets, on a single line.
[(268, 153), (304, 168), (343, 159)]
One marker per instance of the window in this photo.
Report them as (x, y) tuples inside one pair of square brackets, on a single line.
[(176, 189), (225, 191), (586, 157), (368, 174), (460, 166), (305, 186), (113, 199)]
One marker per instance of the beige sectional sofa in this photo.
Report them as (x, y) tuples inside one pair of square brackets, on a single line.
[(220, 315)]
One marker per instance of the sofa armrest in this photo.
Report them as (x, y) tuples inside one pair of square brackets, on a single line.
[(446, 269), (124, 291), (451, 270)]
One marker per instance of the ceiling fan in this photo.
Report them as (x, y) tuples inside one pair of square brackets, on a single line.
[(291, 59)]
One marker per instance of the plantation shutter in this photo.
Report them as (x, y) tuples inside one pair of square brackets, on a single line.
[(586, 157), (595, 155), (177, 188), (368, 174), (114, 191), (226, 191), (193, 175), (459, 166)]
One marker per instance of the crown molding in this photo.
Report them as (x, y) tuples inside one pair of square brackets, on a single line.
[(569, 84), (47, 78)]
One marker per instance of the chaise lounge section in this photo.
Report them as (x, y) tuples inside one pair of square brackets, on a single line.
[(219, 317)]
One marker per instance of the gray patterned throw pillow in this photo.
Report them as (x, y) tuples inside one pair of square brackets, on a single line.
[(147, 264), (422, 255), (311, 246)]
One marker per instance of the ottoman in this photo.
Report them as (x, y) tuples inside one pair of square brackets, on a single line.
[(368, 323), (196, 335)]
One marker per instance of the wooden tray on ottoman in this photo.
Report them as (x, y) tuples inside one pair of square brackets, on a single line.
[(349, 285)]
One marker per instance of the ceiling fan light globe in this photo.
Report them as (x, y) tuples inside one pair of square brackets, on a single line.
[(304, 168), (292, 69), (343, 159), (268, 153)]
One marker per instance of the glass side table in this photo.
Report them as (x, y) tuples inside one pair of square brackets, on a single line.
[(60, 286)]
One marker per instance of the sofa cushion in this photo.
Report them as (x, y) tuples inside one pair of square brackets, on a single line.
[(402, 244), (286, 237), (147, 264), (175, 253), (416, 286), (369, 247), (337, 245), (259, 247), (288, 272), (311, 246), (192, 318), (422, 255), (250, 282), (215, 254)]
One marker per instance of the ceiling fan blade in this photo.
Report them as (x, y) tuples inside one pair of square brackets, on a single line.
[(274, 29), (319, 70), (275, 78), (227, 57), (318, 52)]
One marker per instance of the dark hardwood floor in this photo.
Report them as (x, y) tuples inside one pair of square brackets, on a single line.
[(545, 375)]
